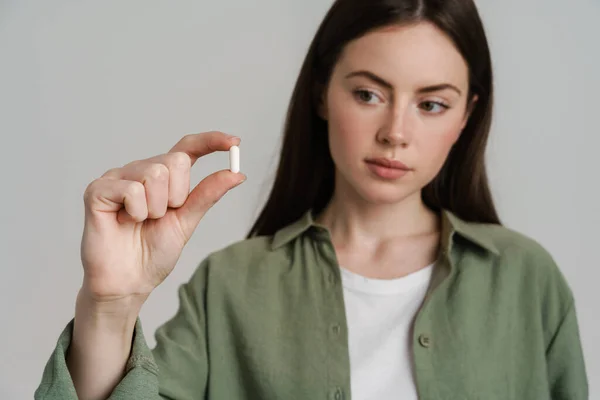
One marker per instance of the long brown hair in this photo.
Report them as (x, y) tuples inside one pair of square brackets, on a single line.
[(305, 175)]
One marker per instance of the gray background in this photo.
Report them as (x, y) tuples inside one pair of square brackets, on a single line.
[(86, 86)]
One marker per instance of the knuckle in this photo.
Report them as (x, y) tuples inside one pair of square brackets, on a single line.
[(157, 171), (135, 188), (134, 163), (180, 160), (188, 138), (93, 189), (113, 172), (93, 186), (89, 191)]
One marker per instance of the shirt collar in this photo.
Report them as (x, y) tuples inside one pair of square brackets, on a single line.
[(476, 233)]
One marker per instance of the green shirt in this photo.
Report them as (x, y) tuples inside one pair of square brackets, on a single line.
[(264, 318)]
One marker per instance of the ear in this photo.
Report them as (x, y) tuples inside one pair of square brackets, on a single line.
[(469, 111)]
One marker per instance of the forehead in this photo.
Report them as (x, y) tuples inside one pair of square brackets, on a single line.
[(415, 54)]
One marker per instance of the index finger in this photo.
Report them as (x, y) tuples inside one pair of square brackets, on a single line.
[(196, 145)]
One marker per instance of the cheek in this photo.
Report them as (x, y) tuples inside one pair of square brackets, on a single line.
[(436, 146), (348, 128)]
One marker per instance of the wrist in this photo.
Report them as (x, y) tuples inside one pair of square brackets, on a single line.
[(115, 316)]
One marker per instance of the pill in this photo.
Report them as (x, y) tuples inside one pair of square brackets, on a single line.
[(234, 159)]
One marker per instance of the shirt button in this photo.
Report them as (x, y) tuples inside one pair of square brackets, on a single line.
[(424, 340), (335, 329), (338, 394)]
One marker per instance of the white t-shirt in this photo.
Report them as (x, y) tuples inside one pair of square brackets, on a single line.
[(380, 314)]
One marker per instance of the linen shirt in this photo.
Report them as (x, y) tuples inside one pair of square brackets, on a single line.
[(264, 318)]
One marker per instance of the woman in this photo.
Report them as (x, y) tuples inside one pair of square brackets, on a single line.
[(378, 268)]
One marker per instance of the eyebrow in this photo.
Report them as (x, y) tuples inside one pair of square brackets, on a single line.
[(384, 83)]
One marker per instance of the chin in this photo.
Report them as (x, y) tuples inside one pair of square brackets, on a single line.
[(374, 191), (381, 194)]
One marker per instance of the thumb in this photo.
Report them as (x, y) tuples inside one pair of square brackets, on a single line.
[(204, 196)]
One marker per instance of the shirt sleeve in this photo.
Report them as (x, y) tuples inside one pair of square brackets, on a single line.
[(140, 378), (566, 366), (176, 369)]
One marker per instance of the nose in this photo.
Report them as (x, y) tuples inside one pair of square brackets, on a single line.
[(395, 131)]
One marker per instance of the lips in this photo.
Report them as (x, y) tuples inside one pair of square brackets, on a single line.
[(387, 169), (386, 162)]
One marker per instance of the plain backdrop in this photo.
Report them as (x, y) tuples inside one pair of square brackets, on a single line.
[(86, 86)]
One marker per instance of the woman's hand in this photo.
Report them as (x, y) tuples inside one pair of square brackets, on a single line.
[(139, 217)]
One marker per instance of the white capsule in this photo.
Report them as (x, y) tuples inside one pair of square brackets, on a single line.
[(234, 159)]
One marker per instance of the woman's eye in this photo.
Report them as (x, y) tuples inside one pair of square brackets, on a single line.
[(365, 95), (433, 107)]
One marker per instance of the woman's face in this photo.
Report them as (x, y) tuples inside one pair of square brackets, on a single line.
[(395, 104)]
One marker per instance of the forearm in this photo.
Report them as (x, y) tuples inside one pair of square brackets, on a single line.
[(101, 345)]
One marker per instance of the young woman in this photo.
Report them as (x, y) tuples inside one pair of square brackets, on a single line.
[(378, 268)]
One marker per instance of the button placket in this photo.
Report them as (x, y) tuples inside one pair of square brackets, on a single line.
[(334, 327)]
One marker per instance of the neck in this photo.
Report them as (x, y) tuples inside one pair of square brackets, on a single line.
[(352, 220)]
